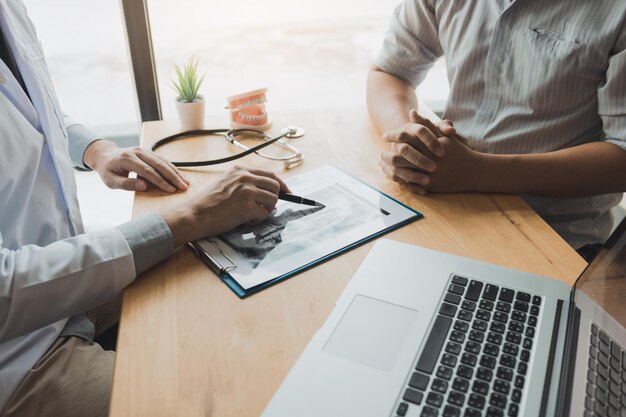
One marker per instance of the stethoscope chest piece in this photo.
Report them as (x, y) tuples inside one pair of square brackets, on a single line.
[(293, 132)]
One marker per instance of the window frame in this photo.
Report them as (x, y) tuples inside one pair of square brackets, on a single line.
[(137, 23)]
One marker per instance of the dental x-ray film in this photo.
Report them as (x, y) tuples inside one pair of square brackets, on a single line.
[(295, 236)]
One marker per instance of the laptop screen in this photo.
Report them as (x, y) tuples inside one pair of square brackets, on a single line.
[(604, 280)]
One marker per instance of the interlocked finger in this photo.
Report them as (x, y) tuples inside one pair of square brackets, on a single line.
[(406, 175)]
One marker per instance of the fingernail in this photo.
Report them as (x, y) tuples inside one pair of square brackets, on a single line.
[(439, 152), (430, 166), (425, 180), (140, 186)]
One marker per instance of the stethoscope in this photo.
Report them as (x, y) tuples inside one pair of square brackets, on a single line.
[(295, 158)]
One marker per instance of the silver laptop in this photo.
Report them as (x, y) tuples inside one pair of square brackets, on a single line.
[(424, 333)]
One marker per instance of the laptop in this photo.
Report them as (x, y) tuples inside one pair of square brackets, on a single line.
[(423, 333)]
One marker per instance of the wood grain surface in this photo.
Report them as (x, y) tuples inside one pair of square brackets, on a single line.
[(189, 347)]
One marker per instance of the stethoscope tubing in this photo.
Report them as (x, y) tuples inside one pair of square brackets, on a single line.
[(230, 136)]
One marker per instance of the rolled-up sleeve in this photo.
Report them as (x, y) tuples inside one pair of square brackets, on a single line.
[(411, 45), (612, 95), (79, 138)]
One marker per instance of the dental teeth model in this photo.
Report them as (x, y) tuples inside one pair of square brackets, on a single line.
[(247, 110)]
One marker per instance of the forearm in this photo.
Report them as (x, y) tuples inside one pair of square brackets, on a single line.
[(590, 169), (389, 100), (182, 223)]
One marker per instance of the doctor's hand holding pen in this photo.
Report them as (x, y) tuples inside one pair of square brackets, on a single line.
[(239, 196), (429, 157)]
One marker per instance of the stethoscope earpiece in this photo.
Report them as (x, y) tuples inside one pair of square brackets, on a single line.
[(293, 162)]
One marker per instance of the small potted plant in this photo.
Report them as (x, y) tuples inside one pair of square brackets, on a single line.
[(189, 104)]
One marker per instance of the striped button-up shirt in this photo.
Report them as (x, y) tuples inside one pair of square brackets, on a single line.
[(525, 77)]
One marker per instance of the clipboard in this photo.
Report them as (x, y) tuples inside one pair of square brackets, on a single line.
[(221, 257)]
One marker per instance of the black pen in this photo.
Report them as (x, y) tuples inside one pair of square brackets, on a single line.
[(298, 200)]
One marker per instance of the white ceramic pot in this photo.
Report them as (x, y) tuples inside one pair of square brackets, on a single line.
[(191, 115)]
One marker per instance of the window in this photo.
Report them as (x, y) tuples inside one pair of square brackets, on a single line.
[(309, 54), (87, 56)]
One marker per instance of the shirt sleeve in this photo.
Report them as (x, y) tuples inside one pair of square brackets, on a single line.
[(40, 285), (74, 275), (612, 95), (411, 45), (150, 240), (79, 138)]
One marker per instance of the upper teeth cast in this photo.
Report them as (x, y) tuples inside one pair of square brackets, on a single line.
[(252, 102)]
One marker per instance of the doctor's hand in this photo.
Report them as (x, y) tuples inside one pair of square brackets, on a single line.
[(415, 160), (239, 196), (114, 164)]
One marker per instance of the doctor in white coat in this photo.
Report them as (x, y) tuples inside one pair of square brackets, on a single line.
[(52, 274)]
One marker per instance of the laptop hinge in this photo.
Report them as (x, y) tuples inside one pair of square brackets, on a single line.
[(550, 364), (564, 397)]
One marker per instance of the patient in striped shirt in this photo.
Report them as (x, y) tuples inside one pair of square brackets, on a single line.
[(537, 105)]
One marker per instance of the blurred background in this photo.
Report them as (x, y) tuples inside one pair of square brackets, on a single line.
[(308, 53)]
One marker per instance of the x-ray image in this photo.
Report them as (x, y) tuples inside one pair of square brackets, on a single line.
[(255, 242), (293, 227), (296, 236)]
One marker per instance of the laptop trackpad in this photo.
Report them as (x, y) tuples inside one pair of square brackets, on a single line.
[(371, 332)]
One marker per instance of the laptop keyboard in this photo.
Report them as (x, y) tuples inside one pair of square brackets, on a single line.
[(606, 376), (475, 360)]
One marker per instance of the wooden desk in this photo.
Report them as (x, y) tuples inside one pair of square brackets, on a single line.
[(189, 347)]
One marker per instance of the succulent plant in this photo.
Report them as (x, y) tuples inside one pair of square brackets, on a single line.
[(189, 81)]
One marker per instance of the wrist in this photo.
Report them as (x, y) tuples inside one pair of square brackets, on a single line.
[(96, 151), (181, 222), (493, 173)]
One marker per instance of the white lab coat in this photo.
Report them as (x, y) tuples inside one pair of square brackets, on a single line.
[(49, 270)]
